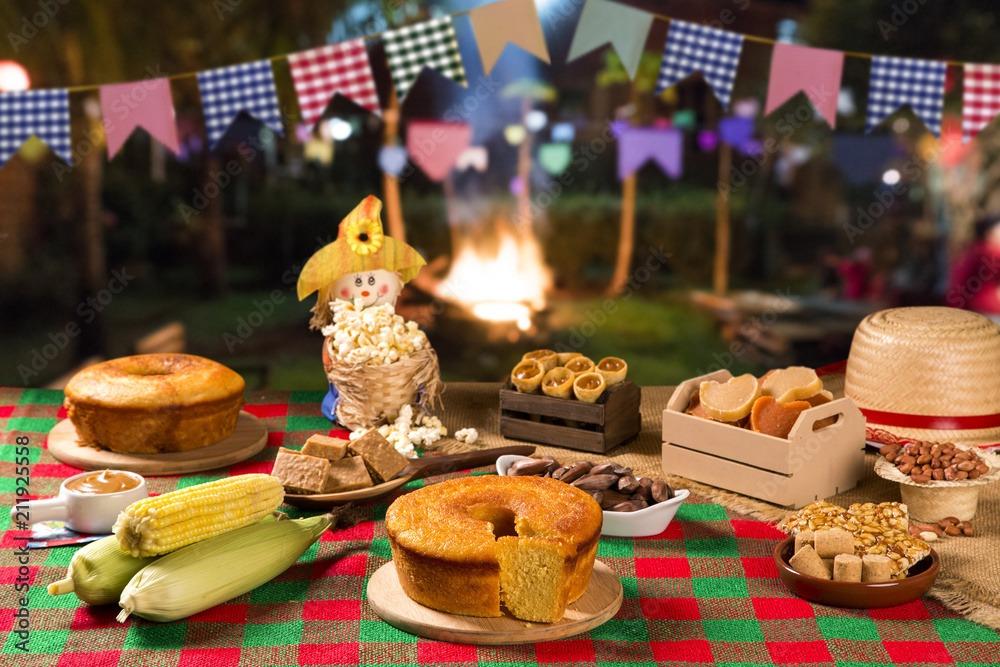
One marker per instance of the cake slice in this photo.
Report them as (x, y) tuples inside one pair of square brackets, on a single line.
[(347, 474), (379, 455), (300, 472), (534, 577), (325, 447)]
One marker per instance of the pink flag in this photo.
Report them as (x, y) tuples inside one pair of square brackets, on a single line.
[(147, 104), (436, 145), (816, 72)]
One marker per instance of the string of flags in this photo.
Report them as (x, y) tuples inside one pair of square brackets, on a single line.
[(344, 69)]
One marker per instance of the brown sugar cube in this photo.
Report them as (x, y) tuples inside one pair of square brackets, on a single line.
[(846, 567), (300, 472), (379, 455), (830, 543), (347, 474), (876, 568), (806, 561), (325, 447), (802, 538)]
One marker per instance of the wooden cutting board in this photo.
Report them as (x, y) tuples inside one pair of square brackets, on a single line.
[(599, 603), (249, 438)]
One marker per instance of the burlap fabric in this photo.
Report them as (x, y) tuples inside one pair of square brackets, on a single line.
[(970, 576)]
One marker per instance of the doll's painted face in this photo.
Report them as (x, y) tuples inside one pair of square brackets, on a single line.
[(370, 287)]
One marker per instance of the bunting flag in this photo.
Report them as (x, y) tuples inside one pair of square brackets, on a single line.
[(694, 48), (319, 74), (736, 130), (473, 157), (624, 28), (392, 159), (429, 44), (815, 72), (435, 146), (148, 104), (507, 22), (980, 98), (896, 82), (39, 113), (555, 157), (227, 91), (637, 145)]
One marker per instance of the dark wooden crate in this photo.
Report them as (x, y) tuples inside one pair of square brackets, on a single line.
[(563, 422)]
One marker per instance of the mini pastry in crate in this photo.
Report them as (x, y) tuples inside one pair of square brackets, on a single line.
[(376, 361), (567, 374)]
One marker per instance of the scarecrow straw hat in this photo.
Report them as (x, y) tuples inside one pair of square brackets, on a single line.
[(360, 246), (928, 373)]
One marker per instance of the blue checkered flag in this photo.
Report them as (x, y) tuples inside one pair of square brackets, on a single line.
[(40, 113), (694, 48), (898, 81), (227, 91)]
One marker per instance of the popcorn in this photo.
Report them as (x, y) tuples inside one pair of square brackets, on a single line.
[(373, 336), (467, 435)]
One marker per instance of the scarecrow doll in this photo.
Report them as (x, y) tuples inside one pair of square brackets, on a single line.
[(357, 279)]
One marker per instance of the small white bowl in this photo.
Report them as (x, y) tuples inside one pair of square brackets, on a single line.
[(651, 520)]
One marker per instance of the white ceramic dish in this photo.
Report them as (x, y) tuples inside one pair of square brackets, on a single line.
[(652, 520)]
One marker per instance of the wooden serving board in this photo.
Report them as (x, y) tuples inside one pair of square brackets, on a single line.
[(599, 603), (249, 438)]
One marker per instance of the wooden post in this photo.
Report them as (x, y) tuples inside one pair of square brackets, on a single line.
[(524, 172), (720, 274), (626, 237), (390, 184)]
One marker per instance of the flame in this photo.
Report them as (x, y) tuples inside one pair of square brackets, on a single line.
[(507, 284)]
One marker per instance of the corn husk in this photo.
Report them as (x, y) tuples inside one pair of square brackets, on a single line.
[(98, 572), (207, 573)]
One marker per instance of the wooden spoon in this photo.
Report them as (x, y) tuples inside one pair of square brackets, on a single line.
[(417, 469)]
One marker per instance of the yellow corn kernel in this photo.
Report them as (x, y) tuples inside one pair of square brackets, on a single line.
[(161, 524)]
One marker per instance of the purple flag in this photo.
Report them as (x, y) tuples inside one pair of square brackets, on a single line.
[(736, 130), (636, 145)]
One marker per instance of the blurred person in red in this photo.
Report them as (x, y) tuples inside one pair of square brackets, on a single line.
[(856, 275), (975, 277)]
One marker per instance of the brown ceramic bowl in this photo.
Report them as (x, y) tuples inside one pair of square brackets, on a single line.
[(856, 596)]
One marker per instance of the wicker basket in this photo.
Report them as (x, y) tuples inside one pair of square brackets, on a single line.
[(370, 395), (918, 372)]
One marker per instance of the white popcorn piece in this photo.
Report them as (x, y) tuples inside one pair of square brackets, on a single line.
[(374, 336), (467, 435)]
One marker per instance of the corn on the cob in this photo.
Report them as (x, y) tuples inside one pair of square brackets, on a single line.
[(98, 572), (218, 569), (161, 524)]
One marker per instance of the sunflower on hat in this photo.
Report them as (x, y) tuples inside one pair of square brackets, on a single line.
[(361, 246)]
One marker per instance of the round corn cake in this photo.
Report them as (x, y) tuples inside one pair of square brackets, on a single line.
[(445, 539)]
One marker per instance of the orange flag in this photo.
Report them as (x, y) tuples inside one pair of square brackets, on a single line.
[(508, 22)]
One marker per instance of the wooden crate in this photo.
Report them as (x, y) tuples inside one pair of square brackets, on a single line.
[(811, 464), (564, 422)]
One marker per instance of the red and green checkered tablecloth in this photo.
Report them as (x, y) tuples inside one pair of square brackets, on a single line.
[(704, 591)]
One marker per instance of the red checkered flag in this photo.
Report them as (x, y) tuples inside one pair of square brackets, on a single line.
[(980, 99), (319, 74)]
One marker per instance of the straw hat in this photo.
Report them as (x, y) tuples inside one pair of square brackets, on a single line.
[(928, 373)]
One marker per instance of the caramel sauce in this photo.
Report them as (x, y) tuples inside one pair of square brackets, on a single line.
[(525, 372), (104, 481), (588, 382), (579, 365), (555, 381), (611, 364)]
